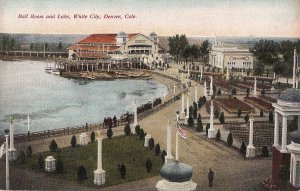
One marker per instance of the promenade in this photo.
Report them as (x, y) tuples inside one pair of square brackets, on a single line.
[(232, 172)]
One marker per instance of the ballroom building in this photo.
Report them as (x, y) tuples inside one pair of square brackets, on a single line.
[(230, 57), (117, 46)]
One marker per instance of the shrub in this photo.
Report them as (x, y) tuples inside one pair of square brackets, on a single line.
[(246, 118), (191, 121), (199, 127), (123, 171), (93, 136), (127, 129), (73, 141), (137, 129), (40, 161), (239, 113), (81, 173), (233, 91), (22, 157), (248, 91), (284, 175), (109, 133), (29, 151), (216, 114), (265, 152), (229, 140), (207, 127), (218, 135), (53, 146), (151, 143), (263, 91), (219, 92), (148, 165), (162, 155), (222, 118), (157, 149), (59, 165), (243, 149), (142, 134), (261, 114), (271, 117)]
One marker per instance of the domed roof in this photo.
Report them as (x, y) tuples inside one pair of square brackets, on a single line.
[(290, 95), (176, 172), (121, 34), (152, 34), (295, 136)]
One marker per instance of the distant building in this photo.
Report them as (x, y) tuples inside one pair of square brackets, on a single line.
[(118, 46), (230, 57)]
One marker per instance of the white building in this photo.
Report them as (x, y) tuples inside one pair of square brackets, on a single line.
[(230, 57)]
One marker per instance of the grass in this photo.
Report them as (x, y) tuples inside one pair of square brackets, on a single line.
[(127, 150)]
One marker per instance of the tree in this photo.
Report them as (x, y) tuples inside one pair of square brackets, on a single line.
[(148, 165), (284, 175), (219, 92), (123, 171), (109, 133), (214, 89), (46, 46), (233, 92), (53, 146), (151, 143), (191, 121), (216, 113), (243, 149), (195, 52), (247, 91), (127, 129), (199, 125), (271, 117), (29, 151), (73, 141), (142, 134), (265, 151), (40, 161), (59, 45), (222, 118), (261, 114), (162, 155), (22, 157), (81, 173), (186, 54), (239, 113), (59, 165), (177, 45), (246, 118), (229, 140), (207, 127), (137, 129), (204, 50), (31, 46), (93, 136), (157, 149), (218, 135)]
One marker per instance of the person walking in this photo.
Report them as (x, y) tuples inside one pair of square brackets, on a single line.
[(210, 178)]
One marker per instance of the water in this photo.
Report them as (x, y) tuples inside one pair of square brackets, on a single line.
[(54, 102)]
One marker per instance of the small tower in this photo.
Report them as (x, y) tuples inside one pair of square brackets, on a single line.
[(121, 37), (250, 148), (153, 36)]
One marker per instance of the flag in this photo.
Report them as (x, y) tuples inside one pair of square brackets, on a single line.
[(181, 131), (2, 149)]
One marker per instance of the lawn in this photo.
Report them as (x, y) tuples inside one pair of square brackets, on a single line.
[(127, 150)]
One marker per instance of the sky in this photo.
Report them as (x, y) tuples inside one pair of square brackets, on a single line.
[(272, 18)]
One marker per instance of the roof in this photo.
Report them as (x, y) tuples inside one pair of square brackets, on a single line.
[(104, 38), (92, 55), (152, 34), (93, 48), (176, 172), (290, 95)]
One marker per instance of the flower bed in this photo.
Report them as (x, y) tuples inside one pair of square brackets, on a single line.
[(268, 184), (207, 106), (233, 104), (259, 103)]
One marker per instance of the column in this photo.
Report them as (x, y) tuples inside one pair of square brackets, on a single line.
[(276, 130), (182, 114), (169, 157), (254, 89), (99, 174), (187, 109), (284, 133), (135, 123), (211, 92), (196, 93), (201, 73), (205, 89), (250, 148), (7, 162), (227, 74), (12, 151), (211, 130)]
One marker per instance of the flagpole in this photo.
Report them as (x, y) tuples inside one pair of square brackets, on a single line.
[(28, 127), (177, 115), (7, 163)]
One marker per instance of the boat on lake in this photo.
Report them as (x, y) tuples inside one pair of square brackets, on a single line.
[(49, 69), (56, 71)]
